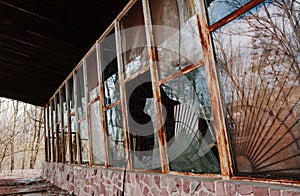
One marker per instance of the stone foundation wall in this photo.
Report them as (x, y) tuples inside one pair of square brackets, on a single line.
[(82, 181)]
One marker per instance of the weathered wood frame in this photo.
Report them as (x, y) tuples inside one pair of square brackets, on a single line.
[(69, 122), (62, 127)]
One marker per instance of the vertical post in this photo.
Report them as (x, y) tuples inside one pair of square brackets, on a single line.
[(88, 113), (53, 124), (63, 156), (101, 100), (56, 129), (78, 141), (215, 91), (123, 94), (155, 87), (69, 122), (49, 132), (45, 133)]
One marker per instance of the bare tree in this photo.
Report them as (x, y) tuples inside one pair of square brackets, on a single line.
[(20, 134)]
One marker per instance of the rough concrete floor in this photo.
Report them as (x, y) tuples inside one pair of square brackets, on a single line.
[(29, 186)]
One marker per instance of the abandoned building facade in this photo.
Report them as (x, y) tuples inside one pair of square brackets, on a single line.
[(182, 97)]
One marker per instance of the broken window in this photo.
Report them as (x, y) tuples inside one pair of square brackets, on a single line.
[(141, 123), (81, 116), (94, 109), (65, 127), (53, 131), (92, 75), (133, 38), (191, 139), (258, 60), (115, 137), (72, 117), (112, 107), (176, 35), (59, 131), (110, 69)]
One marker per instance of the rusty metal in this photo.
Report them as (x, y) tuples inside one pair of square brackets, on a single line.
[(190, 174), (56, 130), (79, 159), (140, 72), (234, 14), (94, 100), (102, 110), (123, 95), (69, 122), (181, 72), (213, 85), (112, 105), (45, 134), (63, 156), (156, 91), (88, 113), (52, 133), (215, 93)]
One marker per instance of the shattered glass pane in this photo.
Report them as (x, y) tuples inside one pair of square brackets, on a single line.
[(176, 35), (189, 128), (115, 137), (97, 134), (133, 37)]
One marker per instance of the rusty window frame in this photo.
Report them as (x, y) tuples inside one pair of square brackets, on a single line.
[(79, 159), (69, 121), (212, 79), (52, 130), (211, 60), (87, 111), (89, 102), (46, 133), (61, 122)]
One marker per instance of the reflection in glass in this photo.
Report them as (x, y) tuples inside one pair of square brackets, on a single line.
[(133, 39), (73, 119), (258, 59), (110, 69), (188, 124), (115, 136), (59, 127), (58, 113), (71, 95), (92, 75), (176, 35), (217, 9), (81, 103), (73, 138), (64, 106), (141, 123), (97, 134), (65, 123), (84, 145), (66, 143)]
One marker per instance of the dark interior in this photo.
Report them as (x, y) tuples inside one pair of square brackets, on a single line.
[(42, 41)]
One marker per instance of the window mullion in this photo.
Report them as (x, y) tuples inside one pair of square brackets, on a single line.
[(155, 86), (215, 92)]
